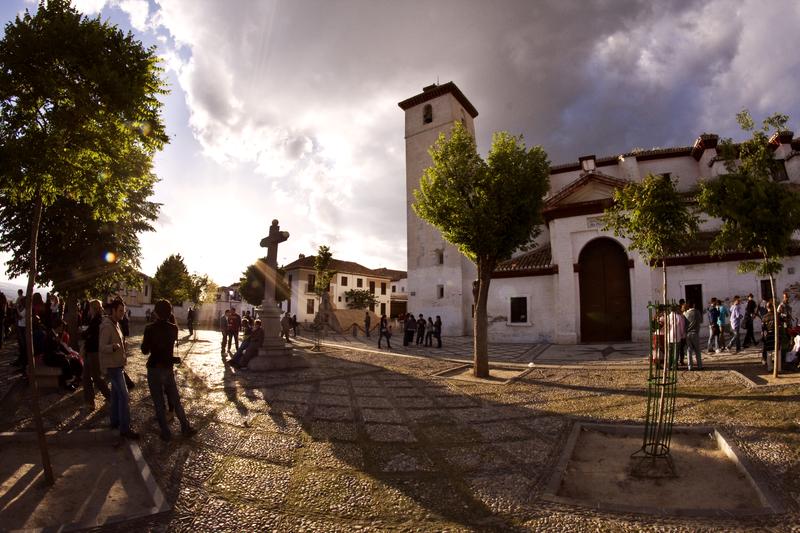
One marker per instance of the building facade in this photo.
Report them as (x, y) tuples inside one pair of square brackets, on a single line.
[(300, 275), (581, 284)]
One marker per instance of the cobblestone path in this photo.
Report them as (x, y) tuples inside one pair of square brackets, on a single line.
[(374, 442)]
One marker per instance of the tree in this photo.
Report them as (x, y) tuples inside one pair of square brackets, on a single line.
[(79, 118), (323, 274), (360, 299), (172, 280), (488, 209), (758, 214), (78, 254), (655, 218), (199, 288), (251, 284)]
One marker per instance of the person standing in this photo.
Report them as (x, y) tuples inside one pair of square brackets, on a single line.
[(367, 322), (234, 324), (223, 327), (737, 317), (22, 355), (383, 332), (295, 324), (713, 326), (693, 318), (91, 363), (429, 333), (420, 329), (437, 331), (113, 357), (190, 320), (409, 328), (724, 322), (785, 311), (159, 343), (749, 319)]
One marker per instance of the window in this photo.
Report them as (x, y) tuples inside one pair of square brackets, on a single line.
[(372, 287), (146, 286), (383, 288), (779, 171), (372, 307), (340, 298), (519, 310), (312, 280), (440, 291), (290, 280), (394, 288), (383, 309), (439, 257), (427, 114), (344, 281), (359, 282), (310, 306)]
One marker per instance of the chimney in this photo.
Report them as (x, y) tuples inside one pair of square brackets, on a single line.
[(587, 163), (302, 256)]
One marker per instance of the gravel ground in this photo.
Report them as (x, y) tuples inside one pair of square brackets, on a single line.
[(373, 442)]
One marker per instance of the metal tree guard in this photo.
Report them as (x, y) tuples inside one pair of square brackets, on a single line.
[(654, 459)]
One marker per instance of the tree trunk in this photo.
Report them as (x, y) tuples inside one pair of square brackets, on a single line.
[(776, 368), (480, 323), (37, 414), (71, 314)]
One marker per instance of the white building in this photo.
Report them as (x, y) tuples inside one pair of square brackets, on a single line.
[(300, 275), (580, 284)]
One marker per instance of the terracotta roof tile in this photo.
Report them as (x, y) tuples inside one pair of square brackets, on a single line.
[(344, 267), (538, 259)]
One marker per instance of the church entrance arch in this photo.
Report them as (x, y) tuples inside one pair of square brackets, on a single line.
[(605, 292)]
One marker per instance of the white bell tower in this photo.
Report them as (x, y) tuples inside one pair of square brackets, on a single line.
[(439, 276)]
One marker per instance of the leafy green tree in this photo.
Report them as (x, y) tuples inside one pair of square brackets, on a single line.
[(487, 209), (171, 280), (79, 118), (251, 284), (758, 214), (360, 299), (655, 218), (197, 288), (323, 274)]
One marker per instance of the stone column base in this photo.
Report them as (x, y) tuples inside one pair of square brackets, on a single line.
[(276, 358)]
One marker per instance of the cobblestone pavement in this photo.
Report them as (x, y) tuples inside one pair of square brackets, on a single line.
[(368, 441)]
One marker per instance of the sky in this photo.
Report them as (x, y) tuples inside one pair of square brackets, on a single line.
[(288, 109)]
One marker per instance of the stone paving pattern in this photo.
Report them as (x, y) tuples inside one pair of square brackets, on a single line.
[(369, 441)]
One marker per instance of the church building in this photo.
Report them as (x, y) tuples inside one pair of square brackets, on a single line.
[(580, 284)]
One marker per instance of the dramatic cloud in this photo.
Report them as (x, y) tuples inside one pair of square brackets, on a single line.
[(289, 109)]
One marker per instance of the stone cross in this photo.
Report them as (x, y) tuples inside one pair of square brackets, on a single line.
[(270, 242)]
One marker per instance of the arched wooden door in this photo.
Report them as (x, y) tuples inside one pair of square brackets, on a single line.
[(605, 292)]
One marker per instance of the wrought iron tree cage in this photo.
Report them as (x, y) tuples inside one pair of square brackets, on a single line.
[(653, 459)]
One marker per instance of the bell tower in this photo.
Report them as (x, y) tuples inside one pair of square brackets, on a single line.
[(439, 276)]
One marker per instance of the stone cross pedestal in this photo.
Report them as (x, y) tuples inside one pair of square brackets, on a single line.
[(274, 354)]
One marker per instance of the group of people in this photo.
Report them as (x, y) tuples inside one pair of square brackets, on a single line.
[(231, 324), (100, 363), (424, 330), (726, 320)]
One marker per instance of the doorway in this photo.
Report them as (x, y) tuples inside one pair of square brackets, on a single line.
[(605, 292)]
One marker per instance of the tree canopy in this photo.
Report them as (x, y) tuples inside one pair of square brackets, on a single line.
[(487, 209), (251, 284), (759, 215), (324, 275), (172, 280), (360, 299), (653, 216)]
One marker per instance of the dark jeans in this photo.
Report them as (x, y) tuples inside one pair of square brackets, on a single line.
[(366, 328), (438, 340), (420, 336), (735, 339), (224, 339), (408, 336), (233, 338), (384, 334), (120, 400), (190, 325), (749, 336), (92, 377), (160, 381)]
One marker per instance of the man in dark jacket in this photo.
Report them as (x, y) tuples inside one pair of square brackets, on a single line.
[(159, 343)]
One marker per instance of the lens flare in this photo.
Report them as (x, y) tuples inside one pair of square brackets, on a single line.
[(110, 257)]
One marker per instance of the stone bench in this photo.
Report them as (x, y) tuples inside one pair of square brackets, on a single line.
[(47, 376)]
